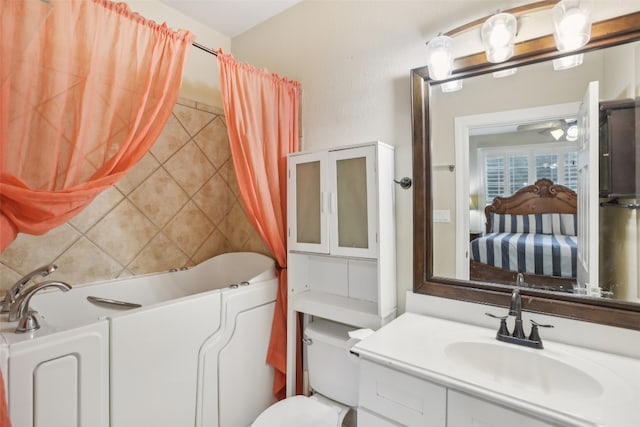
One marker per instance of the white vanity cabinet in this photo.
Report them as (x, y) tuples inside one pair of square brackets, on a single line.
[(420, 370), (389, 397), (341, 259)]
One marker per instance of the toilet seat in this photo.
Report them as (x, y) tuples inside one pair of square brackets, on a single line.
[(299, 411)]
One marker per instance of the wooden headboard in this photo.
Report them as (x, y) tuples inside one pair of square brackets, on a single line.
[(541, 197)]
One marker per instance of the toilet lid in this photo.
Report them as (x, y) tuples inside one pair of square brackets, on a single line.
[(299, 411)]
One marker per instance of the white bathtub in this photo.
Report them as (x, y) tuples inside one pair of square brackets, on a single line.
[(192, 355)]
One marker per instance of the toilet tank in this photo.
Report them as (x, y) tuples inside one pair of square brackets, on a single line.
[(333, 370)]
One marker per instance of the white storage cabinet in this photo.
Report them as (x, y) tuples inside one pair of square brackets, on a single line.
[(341, 236)]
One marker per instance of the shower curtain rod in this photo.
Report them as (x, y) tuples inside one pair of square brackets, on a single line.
[(206, 49)]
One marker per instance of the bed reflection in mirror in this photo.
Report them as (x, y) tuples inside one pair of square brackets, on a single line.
[(513, 194), (533, 232)]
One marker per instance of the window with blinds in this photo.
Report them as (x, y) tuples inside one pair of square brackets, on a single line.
[(504, 170)]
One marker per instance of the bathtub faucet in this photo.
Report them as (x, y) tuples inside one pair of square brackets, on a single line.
[(26, 318), (12, 294)]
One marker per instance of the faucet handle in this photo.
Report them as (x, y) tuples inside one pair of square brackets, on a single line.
[(502, 330), (28, 322), (534, 335)]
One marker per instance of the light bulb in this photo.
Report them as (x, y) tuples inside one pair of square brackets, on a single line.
[(572, 24), (440, 57), (498, 37)]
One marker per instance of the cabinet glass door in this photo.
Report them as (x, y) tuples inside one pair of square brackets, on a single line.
[(353, 200), (307, 219)]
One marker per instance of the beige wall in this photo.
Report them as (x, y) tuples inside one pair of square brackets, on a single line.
[(177, 207)]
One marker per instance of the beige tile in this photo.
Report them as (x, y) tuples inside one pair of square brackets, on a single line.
[(214, 142), (159, 197), (102, 204), (84, 262), (161, 254), (190, 168), (229, 174), (193, 120), (125, 273), (29, 252), (189, 228), (210, 108), (123, 232), (138, 173), (237, 227), (7, 278), (255, 244), (215, 199), (119, 233), (215, 244), (173, 137), (187, 102)]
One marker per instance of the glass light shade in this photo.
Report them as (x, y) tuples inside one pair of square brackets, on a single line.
[(452, 86), (440, 57), (572, 24), (504, 73), (498, 35), (567, 62)]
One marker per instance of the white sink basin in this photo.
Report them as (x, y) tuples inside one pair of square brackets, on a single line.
[(527, 369)]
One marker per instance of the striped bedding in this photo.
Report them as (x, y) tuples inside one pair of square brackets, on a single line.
[(546, 254)]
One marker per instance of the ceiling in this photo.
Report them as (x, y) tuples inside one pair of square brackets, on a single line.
[(230, 17)]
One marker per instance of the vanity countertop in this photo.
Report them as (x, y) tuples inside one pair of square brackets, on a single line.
[(562, 384)]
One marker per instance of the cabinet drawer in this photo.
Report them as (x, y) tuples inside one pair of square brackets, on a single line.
[(400, 397), (467, 411), (368, 419)]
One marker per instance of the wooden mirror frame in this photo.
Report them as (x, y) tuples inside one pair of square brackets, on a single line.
[(612, 32)]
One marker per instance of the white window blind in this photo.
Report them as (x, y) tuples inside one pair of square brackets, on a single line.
[(504, 170)]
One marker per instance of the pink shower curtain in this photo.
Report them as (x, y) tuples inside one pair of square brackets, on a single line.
[(86, 88), (82, 101), (262, 122)]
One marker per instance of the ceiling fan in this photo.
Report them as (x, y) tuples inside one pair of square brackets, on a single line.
[(558, 128)]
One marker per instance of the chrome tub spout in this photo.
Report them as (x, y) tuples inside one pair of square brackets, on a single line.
[(12, 294), (27, 321)]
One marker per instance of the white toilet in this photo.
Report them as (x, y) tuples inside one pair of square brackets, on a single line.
[(333, 377)]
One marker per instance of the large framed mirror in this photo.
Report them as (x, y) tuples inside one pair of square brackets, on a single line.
[(501, 129)]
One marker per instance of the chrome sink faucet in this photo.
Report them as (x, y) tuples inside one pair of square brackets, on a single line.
[(20, 311), (518, 336), (12, 294)]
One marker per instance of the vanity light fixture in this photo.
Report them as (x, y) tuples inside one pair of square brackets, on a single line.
[(440, 57), (572, 31), (572, 24), (498, 35), (452, 86)]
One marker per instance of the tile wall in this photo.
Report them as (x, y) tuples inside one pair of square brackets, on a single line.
[(177, 207)]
